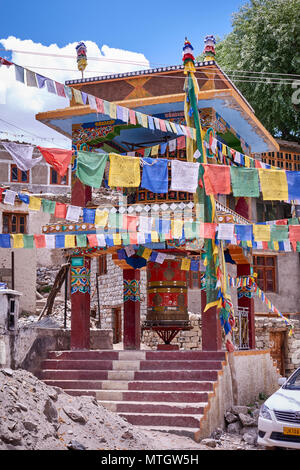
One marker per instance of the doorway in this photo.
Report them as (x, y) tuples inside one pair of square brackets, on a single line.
[(277, 346), (117, 325)]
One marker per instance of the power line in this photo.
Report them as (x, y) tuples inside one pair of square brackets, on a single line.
[(51, 140)]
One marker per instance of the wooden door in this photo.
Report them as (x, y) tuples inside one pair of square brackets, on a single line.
[(277, 344), (117, 325)]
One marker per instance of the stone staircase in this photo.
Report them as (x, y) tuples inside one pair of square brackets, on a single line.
[(159, 390)]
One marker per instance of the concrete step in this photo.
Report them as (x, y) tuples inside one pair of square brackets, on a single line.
[(180, 365), (185, 355), (90, 355), (170, 385), (166, 407), (176, 375), (67, 364), (182, 431), (151, 396), (57, 374), (162, 419)]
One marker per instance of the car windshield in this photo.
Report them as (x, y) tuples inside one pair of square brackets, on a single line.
[(293, 383)]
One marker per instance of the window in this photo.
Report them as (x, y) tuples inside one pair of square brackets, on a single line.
[(194, 279), (14, 223), (102, 267), (265, 268), (55, 178), (17, 175)]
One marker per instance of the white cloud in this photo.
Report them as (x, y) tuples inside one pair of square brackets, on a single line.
[(57, 63)]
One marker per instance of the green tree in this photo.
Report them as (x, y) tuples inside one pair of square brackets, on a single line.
[(265, 38)]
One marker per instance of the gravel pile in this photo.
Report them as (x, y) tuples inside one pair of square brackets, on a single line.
[(35, 416)]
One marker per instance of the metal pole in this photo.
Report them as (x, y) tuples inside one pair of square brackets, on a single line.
[(98, 299)]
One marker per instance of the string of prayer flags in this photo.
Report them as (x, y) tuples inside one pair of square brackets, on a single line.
[(59, 159), (90, 168), (274, 185), (216, 179), (124, 171), (155, 175), (244, 182), (184, 176)]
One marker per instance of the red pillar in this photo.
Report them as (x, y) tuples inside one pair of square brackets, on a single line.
[(132, 329), (244, 301), (211, 327), (80, 279), (80, 305)]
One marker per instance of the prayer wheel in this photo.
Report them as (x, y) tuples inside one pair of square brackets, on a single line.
[(166, 294)]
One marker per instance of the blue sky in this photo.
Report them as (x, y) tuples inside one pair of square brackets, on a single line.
[(149, 33)]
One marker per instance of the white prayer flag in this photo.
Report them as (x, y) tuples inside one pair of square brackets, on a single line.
[(9, 197), (141, 238), (145, 224), (287, 245), (73, 213), (101, 239), (184, 176), (22, 155), (160, 258), (225, 231), (92, 101), (50, 241), (129, 250)]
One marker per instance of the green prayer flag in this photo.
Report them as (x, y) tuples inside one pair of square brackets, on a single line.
[(279, 232), (48, 206), (81, 240), (244, 182), (115, 220), (28, 241), (125, 238), (140, 251), (293, 221), (90, 168), (298, 246)]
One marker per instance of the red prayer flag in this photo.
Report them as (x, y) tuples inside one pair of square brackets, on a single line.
[(216, 179), (265, 245), (60, 210), (92, 238), (281, 222), (100, 105), (257, 164), (40, 241), (59, 159), (132, 116), (130, 223), (181, 142), (133, 238), (294, 233), (60, 89), (162, 125), (208, 230)]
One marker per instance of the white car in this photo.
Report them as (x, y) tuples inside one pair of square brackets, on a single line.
[(279, 417)]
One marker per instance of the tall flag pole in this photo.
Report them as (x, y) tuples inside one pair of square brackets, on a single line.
[(215, 275)]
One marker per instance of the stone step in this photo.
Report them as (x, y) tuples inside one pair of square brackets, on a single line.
[(67, 364), (57, 374), (170, 385), (90, 355), (166, 407), (180, 365), (162, 419)]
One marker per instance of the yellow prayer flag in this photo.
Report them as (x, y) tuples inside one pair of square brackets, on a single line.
[(144, 120), (276, 246), (113, 110), (173, 127), (262, 233), (117, 239), (70, 241), (35, 203), (101, 218), (185, 264), (155, 150), (273, 184), (77, 96), (249, 243), (154, 237), (176, 226), (247, 161), (124, 171), (146, 253), (18, 240)]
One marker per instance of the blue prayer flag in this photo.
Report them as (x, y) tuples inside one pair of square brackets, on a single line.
[(5, 240), (23, 198), (155, 175), (243, 232), (293, 181), (59, 241), (194, 265), (89, 216)]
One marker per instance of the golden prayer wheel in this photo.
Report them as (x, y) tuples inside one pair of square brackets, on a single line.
[(166, 294)]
